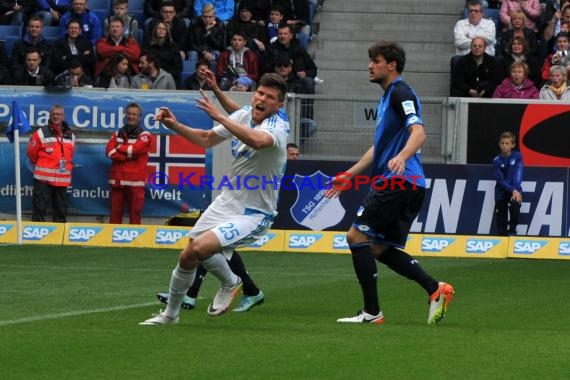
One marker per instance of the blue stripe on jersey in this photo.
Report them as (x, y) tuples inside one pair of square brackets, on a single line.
[(398, 108)]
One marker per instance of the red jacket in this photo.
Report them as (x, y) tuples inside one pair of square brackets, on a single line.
[(128, 149), (51, 149), (106, 49), (250, 62)]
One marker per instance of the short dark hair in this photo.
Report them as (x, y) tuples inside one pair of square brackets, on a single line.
[(116, 19), (273, 80), (75, 63), (391, 51), (151, 58), (292, 145), (134, 105), (508, 135)]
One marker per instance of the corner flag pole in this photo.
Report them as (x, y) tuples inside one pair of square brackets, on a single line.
[(18, 184)]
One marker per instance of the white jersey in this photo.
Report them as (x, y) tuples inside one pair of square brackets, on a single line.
[(256, 174)]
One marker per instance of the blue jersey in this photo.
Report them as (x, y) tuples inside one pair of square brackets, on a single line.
[(508, 171), (398, 109)]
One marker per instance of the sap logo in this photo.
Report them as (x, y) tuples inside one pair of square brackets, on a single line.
[(126, 235), (303, 241), (263, 240), (164, 236), (83, 234), (5, 228), (339, 242), (564, 249), (528, 247), (36, 233), (435, 245), (480, 246)]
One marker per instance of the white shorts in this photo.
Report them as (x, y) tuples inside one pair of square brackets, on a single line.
[(232, 229)]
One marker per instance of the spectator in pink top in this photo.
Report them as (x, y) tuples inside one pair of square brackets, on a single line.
[(531, 9), (517, 85)]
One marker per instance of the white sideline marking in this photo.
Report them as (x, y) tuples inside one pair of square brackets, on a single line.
[(74, 313)]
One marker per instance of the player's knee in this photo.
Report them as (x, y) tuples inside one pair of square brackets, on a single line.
[(353, 236)]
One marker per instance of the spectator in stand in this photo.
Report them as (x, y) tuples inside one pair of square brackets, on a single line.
[(73, 76), (557, 89), (284, 68), (184, 8), (297, 15), (176, 25), (517, 29), (225, 9), (151, 76), (116, 42), (90, 23), (276, 17), (517, 52), (33, 38), (531, 9), (474, 26), (130, 24), (72, 45), (243, 84), (32, 73), (475, 74), (259, 8), (303, 65), (51, 149), (206, 37), (561, 57), (128, 150), (553, 20), (116, 73), (166, 51), (254, 29), (237, 61), (50, 11), (5, 77), (517, 85), (13, 12), (293, 151), (199, 79)]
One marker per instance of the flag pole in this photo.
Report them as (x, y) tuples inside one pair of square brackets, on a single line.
[(18, 184)]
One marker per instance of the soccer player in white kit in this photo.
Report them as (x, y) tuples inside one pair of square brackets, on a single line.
[(240, 214)]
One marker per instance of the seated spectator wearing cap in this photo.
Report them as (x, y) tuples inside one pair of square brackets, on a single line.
[(253, 29), (236, 61), (243, 84)]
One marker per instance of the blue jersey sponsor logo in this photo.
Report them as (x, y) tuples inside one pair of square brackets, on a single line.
[(303, 240), (436, 244), (168, 236), (126, 235), (36, 233), (83, 234), (528, 247), (480, 245)]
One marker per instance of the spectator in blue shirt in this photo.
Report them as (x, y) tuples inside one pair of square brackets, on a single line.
[(90, 23)]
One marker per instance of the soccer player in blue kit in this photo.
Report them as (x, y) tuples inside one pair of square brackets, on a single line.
[(383, 221)]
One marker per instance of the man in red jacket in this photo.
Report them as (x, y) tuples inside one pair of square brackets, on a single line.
[(128, 150), (109, 46), (51, 149)]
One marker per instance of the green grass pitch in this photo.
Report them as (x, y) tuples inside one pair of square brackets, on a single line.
[(73, 313)]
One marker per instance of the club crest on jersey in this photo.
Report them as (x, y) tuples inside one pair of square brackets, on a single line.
[(311, 209)]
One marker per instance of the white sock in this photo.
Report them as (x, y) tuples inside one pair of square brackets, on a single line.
[(180, 281), (218, 266)]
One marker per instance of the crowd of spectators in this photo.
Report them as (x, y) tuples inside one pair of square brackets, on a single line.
[(240, 41), (522, 53)]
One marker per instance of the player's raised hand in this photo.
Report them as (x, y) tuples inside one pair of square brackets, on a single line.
[(210, 78), (208, 106), (166, 117)]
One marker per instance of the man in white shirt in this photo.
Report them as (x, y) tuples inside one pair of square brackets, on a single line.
[(241, 214), (474, 26)]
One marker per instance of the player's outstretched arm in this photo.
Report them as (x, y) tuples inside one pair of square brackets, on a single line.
[(227, 103), (340, 181), (205, 139)]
